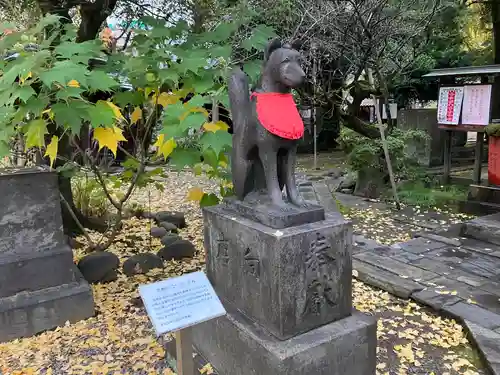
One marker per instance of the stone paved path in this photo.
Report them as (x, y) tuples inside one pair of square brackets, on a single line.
[(454, 270)]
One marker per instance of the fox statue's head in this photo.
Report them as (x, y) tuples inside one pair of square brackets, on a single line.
[(282, 67)]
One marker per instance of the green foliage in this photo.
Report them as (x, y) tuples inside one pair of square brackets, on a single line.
[(431, 194), (51, 88), (368, 153), (89, 197), (493, 130), (444, 44)]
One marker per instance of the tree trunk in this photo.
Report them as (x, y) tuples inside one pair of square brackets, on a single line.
[(92, 17), (359, 126)]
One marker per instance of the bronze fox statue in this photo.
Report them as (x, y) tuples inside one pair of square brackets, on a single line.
[(267, 127)]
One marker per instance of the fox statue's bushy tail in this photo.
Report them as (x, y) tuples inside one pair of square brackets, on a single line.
[(241, 112)]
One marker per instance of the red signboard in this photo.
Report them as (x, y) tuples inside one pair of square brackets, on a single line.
[(494, 161), (451, 105)]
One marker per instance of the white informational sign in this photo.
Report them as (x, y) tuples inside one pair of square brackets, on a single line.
[(180, 302), (449, 105), (476, 107)]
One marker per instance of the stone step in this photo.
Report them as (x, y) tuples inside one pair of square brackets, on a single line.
[(28, 313), (488, 342), (478, 208), (383, 279), (484, 193), (486, 228), (403, 270), (325, 197), (438, 238), (38, 270)]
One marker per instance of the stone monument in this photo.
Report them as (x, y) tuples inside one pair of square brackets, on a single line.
[(40, 286), (281, 267)]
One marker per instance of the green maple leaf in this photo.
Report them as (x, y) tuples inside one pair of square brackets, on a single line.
[(35, 133), (253, 69), (218, 141), (100, 81), (192, 64), (161, 32), (69, 92), (173, 127), (6, 96), (174, 131), (6, 114), (24, 93), (35, 105), (221, 33), (204, 84), (88, 49), (4, 149), (48, 20), (259, 38), (194, 120), (171, 120), (210, 158), (135, 98), (184, 157), (198, 101), (101, 115), (69, 115), (221, 51), (209, 200), (168, 75), (64, 71), (6, 133), (20, 67), (224, 99)]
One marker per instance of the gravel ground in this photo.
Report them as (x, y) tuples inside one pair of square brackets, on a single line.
[(119, 340)]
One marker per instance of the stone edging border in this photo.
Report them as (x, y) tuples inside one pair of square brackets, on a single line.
[(483, 336)]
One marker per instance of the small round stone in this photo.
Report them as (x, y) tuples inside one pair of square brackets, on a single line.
[(158, 232), (177, 250), (141, 263)]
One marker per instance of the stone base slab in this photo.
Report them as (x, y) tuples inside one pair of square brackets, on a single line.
[(37, 270), (29, 313), (236, 346), (260, 209)]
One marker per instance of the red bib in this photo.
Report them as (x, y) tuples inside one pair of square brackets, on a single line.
[(279, 115)]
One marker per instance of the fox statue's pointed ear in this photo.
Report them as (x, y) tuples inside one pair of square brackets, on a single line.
[(271, 47)]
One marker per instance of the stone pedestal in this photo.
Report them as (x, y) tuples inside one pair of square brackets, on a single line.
[(40, 287), (288, 296)]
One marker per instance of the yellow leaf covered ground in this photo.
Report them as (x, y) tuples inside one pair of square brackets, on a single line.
[(120, 340)]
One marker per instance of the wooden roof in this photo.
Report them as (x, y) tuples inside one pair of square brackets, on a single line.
[(465, 71)]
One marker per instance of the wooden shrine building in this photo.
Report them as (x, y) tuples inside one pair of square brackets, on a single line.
[(466, 100)]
